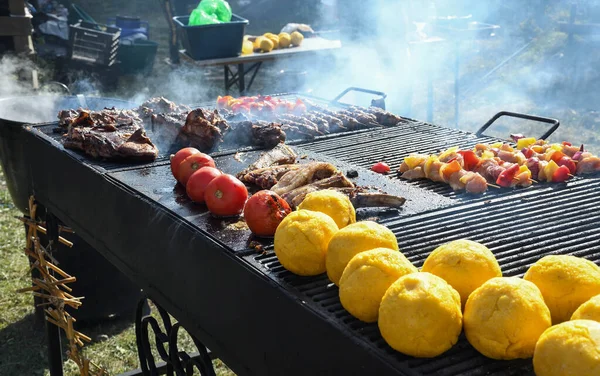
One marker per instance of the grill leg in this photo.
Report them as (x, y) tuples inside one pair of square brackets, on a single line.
[(241, 80), (174, 361)]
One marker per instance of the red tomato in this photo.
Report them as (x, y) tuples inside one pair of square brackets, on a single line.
[(561, 174), (264, 211), (197, 183), (192, 164), (178, 157), (225, 196), (380, 167), (566, 161)]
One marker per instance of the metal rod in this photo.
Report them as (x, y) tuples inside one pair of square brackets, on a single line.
[(55, 360)]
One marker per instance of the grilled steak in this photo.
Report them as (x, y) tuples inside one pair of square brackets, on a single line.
[(383, 117), (112, 142), (161, 105), (203, 129)]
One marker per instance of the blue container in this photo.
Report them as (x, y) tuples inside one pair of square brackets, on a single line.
[(130, 26), (212, 41)]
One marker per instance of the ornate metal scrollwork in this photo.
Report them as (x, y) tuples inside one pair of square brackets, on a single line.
[(177, 362)]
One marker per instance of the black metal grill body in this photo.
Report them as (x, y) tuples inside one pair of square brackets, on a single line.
[(261, 319)]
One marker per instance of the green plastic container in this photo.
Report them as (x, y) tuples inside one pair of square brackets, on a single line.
[(138, 57)]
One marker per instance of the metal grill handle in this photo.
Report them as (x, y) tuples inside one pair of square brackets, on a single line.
[(555, 123), (377, 102)]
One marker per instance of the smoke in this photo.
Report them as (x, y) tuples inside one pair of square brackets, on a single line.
[(527, 65)]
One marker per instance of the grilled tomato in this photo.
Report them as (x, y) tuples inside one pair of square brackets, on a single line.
[(197, 183), (192, 164), (381, 168), (178, 157), (225, 196), (264, 211)]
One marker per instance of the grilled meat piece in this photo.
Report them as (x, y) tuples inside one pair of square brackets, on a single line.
[(362, 199), (85, 118), (267, 177), (266, 134), (308, 125), (304, 175), (257, 133), (279, 155), (362, 117), (384, 117), (295, 196), (335, 124), (203, 129), (235, 117), (297, 130), (160, 105), (322, 124), (125, 142)]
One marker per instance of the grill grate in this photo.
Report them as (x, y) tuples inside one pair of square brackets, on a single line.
[(519, 230)]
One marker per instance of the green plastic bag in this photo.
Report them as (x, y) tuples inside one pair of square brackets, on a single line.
[(210, 12)]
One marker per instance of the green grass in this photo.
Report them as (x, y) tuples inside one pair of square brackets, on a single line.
[(22, 342)]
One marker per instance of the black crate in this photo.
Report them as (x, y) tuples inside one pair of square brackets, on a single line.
[(94, 43), (212, 41)]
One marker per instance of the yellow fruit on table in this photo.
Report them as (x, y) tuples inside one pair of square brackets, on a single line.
[(353, 239), (589, 310), (301, 241), (420, 315), (570, 348), (366, 279), (566, 283), (285, 40), (266, 45), (257, 42), (504, 318), (296, 38), (247, 47), (273, 38), (335, 204), (464, 264)]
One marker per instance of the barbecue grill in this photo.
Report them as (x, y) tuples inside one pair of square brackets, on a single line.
[(243, 305)]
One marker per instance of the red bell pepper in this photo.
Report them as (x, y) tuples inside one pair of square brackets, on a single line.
[(567, 143), (505, 179), (566, 161), (561, 174), (470, 159)]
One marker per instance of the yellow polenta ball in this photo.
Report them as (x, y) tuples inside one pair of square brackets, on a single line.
[(504, 318), (566, 283), (464, 264), (589, 310), (570, 348), (301, 241), (335, 204), (353, 239), (367, 277), (420, 315)]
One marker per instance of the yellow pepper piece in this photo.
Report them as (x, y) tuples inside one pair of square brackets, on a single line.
[(524, 169), (414, 160), (496, 144), (427, 167), (448, 151), (525, 142), (549, 170), (487, 154)]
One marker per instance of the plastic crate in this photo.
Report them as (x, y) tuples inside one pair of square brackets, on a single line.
[(94, 43), (212, 41)]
